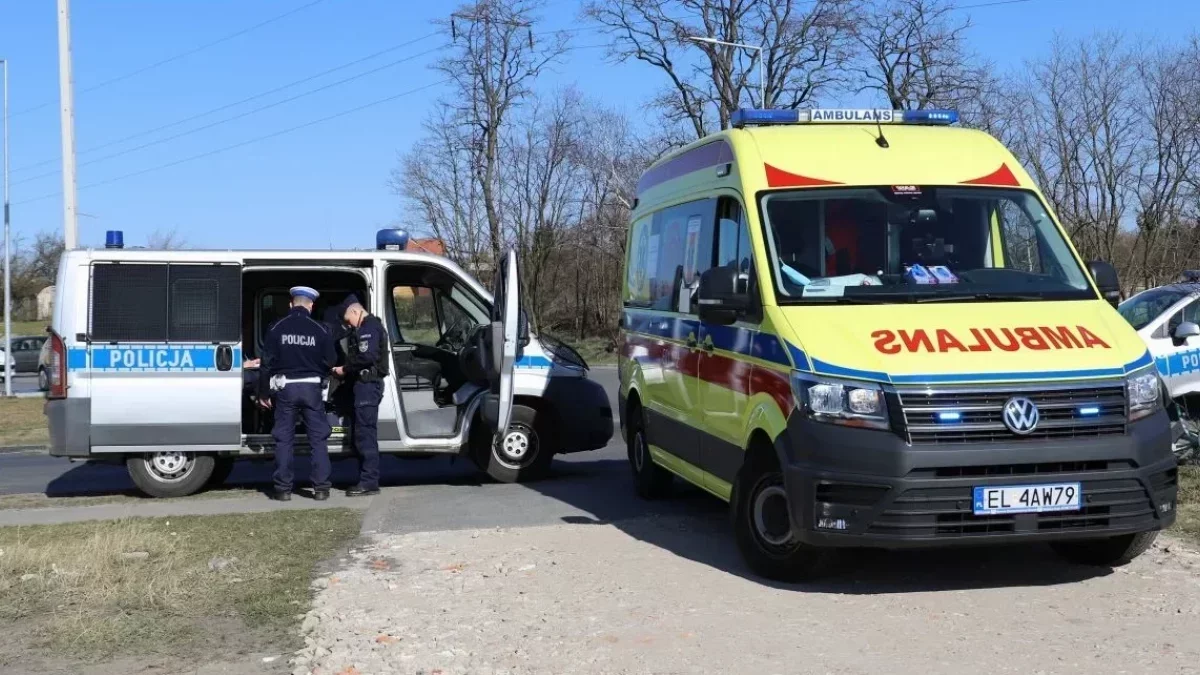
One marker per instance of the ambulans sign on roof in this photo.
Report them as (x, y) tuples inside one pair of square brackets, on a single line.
[(751, 116)]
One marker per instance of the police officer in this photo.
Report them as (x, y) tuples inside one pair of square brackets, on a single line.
[(298, 354), (366, 369)]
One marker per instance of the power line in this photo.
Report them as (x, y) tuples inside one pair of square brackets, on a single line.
[(238, 116), (994, 3), (227, 106), (249, 141), (181, 55)]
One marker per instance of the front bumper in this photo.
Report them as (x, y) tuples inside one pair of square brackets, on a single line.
[(856, 487), (583, 412)]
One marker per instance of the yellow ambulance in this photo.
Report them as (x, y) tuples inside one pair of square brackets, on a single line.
[(865, 328)]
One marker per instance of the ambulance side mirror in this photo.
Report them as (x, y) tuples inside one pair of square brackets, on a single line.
[(722, 296), (1106, 281)]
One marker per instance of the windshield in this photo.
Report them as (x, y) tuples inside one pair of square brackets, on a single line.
[(909, 243), (1146, 306)]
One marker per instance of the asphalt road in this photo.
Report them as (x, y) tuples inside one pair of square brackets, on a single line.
[(34, 472), (23, 385)]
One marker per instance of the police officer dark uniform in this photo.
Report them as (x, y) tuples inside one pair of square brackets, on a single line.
[(366, 369), (298, 354)]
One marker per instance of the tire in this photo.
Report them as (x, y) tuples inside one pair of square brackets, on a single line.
[(523, 454), (1108, 552), (43, 380), (222, 467), (650, 480), (763, 527), (170, 474)]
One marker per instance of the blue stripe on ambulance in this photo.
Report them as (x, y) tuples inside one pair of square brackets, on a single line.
[(735, 339)]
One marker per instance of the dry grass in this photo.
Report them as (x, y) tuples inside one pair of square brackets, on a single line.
[(1187, 519), (145, 586), (41, 501), (24, 328), (22, 422), (597, 351)]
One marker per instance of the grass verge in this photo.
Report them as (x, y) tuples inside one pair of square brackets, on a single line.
[(152, 585), (1187, 518), (40, 501), (597, 351), (22, 422), (24, 328)]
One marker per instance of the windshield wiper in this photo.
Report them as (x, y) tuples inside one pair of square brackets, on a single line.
[(990, 297)]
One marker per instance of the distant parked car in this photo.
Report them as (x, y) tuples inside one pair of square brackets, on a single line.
[(26, 354), (43, 368)]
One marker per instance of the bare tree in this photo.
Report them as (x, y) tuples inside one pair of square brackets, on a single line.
[(803, 52), (166, 239), (496, 59), (914, 53)]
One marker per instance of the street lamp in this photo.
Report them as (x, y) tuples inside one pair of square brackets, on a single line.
[(762, 80), (8, 359)]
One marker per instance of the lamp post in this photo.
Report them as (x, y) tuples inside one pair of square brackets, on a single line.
[(7, 252), (762, 80)]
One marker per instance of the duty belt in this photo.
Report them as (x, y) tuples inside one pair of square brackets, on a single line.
[(280, 381)]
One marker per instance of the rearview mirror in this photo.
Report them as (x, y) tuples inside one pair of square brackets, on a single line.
[(1106, 281), (1185, 330), (722, 296)]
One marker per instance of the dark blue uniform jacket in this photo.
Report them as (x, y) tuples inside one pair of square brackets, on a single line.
[(296, 346)]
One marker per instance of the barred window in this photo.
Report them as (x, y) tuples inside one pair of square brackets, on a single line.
[(165, 302)]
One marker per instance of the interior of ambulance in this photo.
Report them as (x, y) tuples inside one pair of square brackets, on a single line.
[(433, 322)]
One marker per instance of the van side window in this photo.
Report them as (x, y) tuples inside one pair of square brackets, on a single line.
[(165, 303), (668, 252)]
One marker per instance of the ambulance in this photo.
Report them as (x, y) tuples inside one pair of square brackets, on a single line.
[(866, 328), (152, 355)]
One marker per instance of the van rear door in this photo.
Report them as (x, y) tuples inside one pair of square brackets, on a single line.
[(164, 355), (510, 333)]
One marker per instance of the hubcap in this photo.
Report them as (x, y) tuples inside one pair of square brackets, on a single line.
[(518, 447), (639, 452), (170, 467), (771, 521)]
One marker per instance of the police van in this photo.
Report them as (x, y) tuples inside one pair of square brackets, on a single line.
[(867, 329), (148, 348)]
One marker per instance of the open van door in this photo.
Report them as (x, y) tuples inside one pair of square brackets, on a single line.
[(509, 335)]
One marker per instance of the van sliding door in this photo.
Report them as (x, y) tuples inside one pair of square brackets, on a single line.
[(164, 355)]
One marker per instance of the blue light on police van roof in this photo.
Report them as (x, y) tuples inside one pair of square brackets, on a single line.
[(930, 116), (1089, 410), (952, 416), (391, 240), (744, 116)]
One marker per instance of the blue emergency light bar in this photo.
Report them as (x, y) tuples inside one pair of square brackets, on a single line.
[(760, 117)]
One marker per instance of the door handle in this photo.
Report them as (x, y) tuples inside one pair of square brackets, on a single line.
[(224, 357)]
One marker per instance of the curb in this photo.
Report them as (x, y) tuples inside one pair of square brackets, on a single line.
[(146, 508), (24, 450)]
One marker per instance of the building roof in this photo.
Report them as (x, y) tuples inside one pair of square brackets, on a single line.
[(426, 245)]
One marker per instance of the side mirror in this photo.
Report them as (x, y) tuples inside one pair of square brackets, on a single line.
[(722, 296), (1185, 330), (1106, 280)]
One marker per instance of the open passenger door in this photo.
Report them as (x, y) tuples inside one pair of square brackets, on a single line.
[(509, 335)]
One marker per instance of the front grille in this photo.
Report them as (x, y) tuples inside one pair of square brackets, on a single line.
[(981, 413), (947, 512)]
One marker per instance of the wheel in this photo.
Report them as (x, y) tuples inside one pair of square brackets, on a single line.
[(170, 473), (763, 526), (1108, 552), (222, 467), (43, 380), (522, 454), (650, 480)]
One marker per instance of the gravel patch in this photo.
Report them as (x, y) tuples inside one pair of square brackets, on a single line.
[(663, 595)]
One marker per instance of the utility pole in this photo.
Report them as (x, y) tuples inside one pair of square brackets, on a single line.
[(67, 102), (8, 359)]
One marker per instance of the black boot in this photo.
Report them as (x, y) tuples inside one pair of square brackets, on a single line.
[(360, 491), (280, 495), (320, 495)]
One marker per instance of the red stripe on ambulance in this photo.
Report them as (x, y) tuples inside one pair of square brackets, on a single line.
[(986, 339)]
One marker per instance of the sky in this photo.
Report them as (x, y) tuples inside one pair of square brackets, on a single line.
[(296, 179)]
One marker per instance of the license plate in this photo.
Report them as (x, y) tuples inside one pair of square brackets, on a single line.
[(1027, 498)]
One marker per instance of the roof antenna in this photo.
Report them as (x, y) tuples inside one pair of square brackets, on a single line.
[(880, 140)]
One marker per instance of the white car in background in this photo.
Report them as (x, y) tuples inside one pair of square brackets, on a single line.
[(1168, 319)]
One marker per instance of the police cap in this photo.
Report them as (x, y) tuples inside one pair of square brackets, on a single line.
[(304, 292)]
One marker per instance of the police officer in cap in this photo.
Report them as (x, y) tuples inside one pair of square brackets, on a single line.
[(298, 354), (367, 366)]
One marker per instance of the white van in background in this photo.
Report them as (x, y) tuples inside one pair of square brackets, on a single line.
[(147, 347)]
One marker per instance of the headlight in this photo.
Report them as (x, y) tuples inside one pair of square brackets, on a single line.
[(1142, 390), (858, 404)]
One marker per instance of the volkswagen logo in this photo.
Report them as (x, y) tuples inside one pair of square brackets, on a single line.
[(1020, 415)]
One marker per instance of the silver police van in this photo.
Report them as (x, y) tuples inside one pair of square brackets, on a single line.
[(152, 357)]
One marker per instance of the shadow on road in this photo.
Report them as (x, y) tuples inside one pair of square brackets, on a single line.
[(696, 526)]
